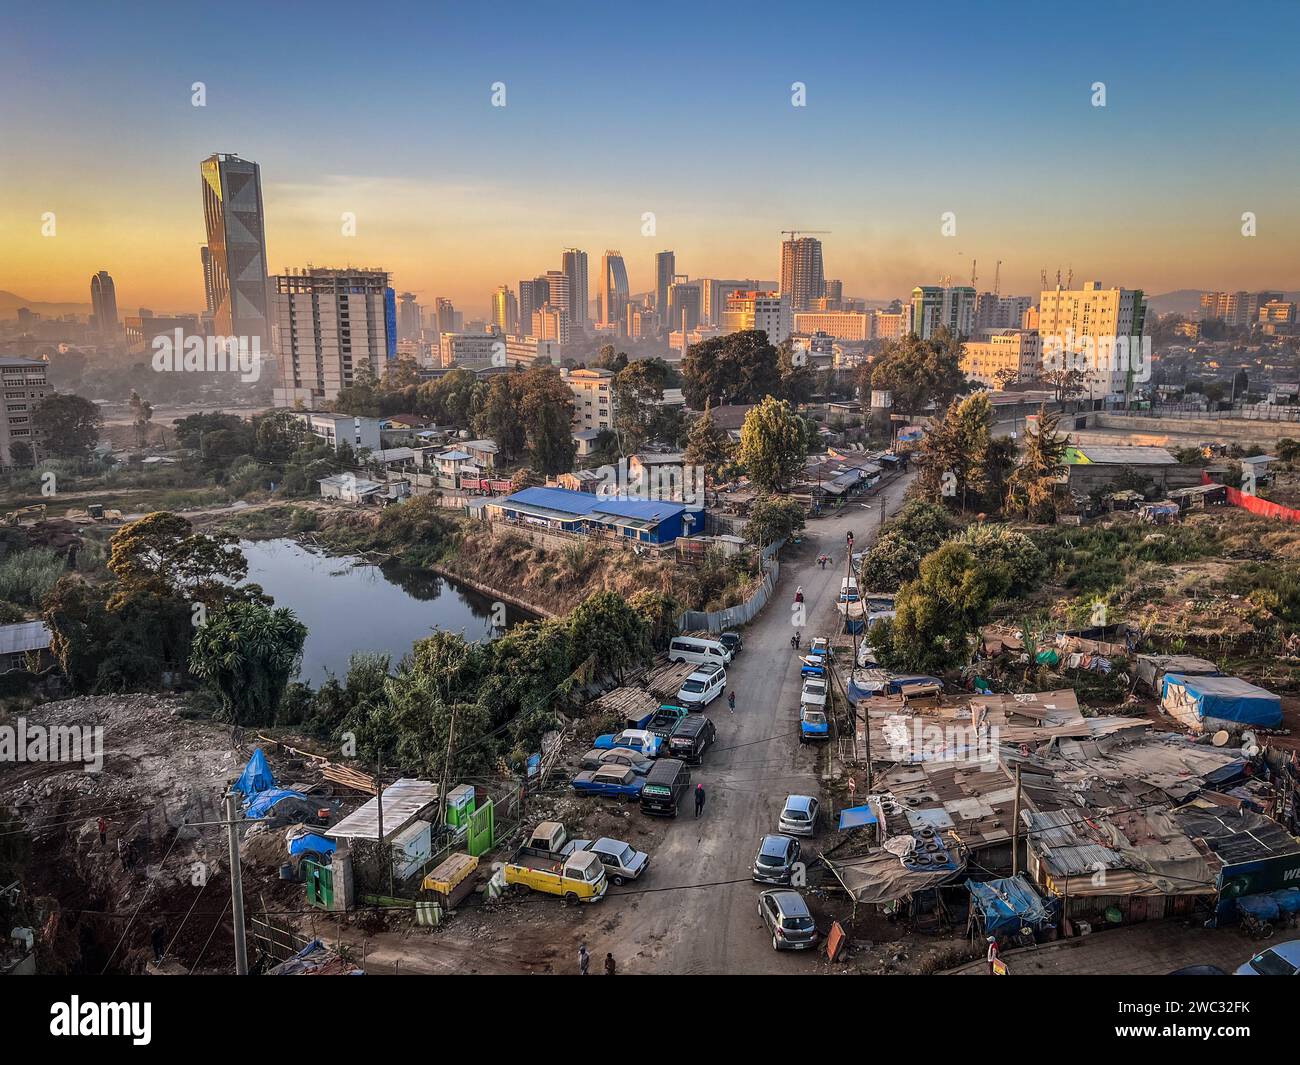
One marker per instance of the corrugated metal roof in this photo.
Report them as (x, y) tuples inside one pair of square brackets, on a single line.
[(24, 636), (403, 799), (1126, 455)]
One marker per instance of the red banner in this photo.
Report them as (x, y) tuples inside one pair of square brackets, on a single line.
[(1255, 505)]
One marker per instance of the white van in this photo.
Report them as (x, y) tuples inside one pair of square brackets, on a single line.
[(695, 650), (702, 687), (849, 590)]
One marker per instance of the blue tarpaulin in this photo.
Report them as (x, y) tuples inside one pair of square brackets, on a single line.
[(312, 841), (1221, 698), (256, 776), (856, 817), (267, 800), (1008, 905)]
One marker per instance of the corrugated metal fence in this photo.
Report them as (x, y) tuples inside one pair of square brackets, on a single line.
[(742, 613)]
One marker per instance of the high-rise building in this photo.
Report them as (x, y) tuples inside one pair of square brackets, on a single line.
[(935, 306), (1080, 328), (560, 293), (834, 295), (768, 311), (408, 317), (842, 325), (473, 351), (533, 295), (329, 325), (593, 398), (1235, 309), (665, 271), (25, 385), (232, 211), (551, 322), (683, 300), (994, 313), (445, 315), (802, 278), (209, 294), (103, 300), (505, 311), (614, 290), (714, 294), (1006, 356), (574, 265)]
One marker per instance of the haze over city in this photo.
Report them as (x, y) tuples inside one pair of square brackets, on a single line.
[(392, 119)]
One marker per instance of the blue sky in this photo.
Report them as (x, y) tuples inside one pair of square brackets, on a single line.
[(679, 109)]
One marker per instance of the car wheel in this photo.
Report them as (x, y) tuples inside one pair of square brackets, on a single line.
[(618, 881), (775, 944), (570, 899)]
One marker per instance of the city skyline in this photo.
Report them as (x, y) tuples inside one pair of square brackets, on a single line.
[(455, 197)]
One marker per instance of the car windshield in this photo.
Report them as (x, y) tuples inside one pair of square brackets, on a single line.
[(1270, 963), (693, 686), (797, 924), (625, 857), (815, 719), (814, 687), (795, 815)]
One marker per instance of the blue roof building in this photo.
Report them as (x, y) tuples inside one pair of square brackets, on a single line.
[(645, 521)]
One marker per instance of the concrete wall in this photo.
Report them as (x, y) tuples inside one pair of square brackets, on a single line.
[(1086, 476), (1179, 432)]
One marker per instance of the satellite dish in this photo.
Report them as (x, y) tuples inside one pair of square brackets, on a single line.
[(1220, 738)]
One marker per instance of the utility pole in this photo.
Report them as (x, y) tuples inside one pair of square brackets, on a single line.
[(1015, 835), (236, 887)]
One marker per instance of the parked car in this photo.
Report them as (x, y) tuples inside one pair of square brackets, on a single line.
[(702, 687), (643, 741), (577, 878), (622, 861), (634, 760), (1281, 959), (849, 590), (813, 692), (664, 788), (732, 642), (776, 858), (615, 781), (664, 721), (813, 725), (788, 918), (693, 736), (800, 816)]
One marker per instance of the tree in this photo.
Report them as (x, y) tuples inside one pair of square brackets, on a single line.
[(68, 425), (708, 445), (361, 397), (895, 557), (162, 555), (1033, 482), (740, 367), (638, 398), (248, 652), (500, 418), (1065, 383), (918, 372), (797, 379), (773, 445), (141, 415), (609, 359), (21, 454), (608, 629), (773, 519), (277, 436), (546, 405), (953, 461)]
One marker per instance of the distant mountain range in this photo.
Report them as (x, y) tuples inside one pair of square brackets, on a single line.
[(10, 302)]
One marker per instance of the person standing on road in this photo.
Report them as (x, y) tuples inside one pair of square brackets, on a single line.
[(102, 825), (584, 960), (731, 701), (993, 953), (610, 967), (699, 799)]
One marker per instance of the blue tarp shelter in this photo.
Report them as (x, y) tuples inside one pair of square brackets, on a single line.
[(1193, 699), (312, 841), (856, 817), (1007, 905), (257, 776), (266, 801)]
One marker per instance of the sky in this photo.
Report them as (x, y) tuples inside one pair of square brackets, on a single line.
[(683, 110)]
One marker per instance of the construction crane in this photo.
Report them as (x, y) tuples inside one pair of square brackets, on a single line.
[(997, 279), (792, 233), (973, 275), (1043, 274)]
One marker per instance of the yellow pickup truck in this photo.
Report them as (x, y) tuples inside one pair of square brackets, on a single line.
[(576, 877)]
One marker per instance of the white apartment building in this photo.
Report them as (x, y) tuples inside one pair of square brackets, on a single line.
[(328, 325), (935, 306), (25, 385), (768, 311), (842, 325), (1084, 325), (593, 398), (474, 351), (1012, 352)]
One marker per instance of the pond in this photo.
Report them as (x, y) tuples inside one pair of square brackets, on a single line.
[(351, 605)]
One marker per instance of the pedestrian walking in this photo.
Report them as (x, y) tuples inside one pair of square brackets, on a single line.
[(584, 960), (798, 638), (993, 953), (699, 799), (610, 967), (102, 824), (731, 701)]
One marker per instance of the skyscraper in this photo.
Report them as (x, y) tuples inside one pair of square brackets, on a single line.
[(103, 298), (205, 257), (802, 278), (505, 311), (683, 299), (574, 265), (330, 324), (232, 210), (408, 317), (446, 315), (665, 270), (560, 294), (533, 295), (614, 290), (934, 306)]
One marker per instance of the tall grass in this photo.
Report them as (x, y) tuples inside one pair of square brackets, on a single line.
[(26, 578)]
